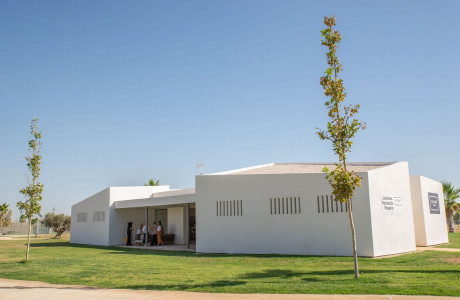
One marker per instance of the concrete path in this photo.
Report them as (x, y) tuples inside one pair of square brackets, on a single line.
[(438, 249), (28, 290)]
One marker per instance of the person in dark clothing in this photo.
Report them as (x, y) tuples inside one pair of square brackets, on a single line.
[(129, 231)]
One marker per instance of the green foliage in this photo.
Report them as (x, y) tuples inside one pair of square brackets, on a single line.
[(34, 189), (57, 261), (451, 195), (4, 211), (152, 182), (341, 127), (7, 219), (58, 222), (451, 205)]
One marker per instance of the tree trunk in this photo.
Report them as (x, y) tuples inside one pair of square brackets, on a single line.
[(59, 233), (353, 238), (450, 220), (1, 225), (28, 238)]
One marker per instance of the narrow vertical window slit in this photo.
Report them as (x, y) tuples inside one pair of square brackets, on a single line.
[(322, 202)]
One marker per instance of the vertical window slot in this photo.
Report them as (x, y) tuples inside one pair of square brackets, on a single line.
[(327, 203), (299, 204), (322, 202)]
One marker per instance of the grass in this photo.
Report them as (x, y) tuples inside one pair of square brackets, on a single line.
[(454, 241), (58, 261)]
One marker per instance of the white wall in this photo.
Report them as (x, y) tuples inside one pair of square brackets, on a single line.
[(430, 228), (259, 231), (392, 231), (176, 223), (89, 232)]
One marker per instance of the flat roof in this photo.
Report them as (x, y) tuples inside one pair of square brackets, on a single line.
[(304, 168), (167, 198)]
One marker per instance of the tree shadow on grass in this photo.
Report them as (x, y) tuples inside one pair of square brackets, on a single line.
[(278, 273), (326, 275), (53, 244), (182, 287)]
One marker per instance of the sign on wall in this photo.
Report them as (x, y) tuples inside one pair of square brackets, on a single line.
[(434, 203), (392, 205)]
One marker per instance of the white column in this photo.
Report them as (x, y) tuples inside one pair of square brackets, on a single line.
[(187, 224), (146, 234)]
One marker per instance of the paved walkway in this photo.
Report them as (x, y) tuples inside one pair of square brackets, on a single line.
[(438, 249), (28, 290)]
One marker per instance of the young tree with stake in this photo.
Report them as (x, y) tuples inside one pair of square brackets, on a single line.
[(341, 128), (33, 191)]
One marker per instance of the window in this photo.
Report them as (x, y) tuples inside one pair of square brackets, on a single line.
[(81, 217), (285, 206), (99, 216), (229, 208), (325, 204)]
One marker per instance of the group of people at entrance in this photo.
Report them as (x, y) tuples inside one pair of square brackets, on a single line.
[(142, 234)]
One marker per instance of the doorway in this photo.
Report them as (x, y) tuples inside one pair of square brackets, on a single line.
[(161, 215)]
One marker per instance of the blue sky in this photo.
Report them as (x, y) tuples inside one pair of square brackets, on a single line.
[(129, 90)]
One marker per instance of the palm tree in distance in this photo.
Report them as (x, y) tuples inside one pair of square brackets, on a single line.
[(450, 203), (152, 182)]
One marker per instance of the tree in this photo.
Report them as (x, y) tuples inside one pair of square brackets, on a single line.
[(3, 212), (33, 191), (152, 182), (7, 220), (341, 128), (58, 222), (450, 203)]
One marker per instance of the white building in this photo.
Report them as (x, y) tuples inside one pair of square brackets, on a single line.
[(276, 208)]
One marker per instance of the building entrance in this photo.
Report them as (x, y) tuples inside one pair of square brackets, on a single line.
[(161, 215)]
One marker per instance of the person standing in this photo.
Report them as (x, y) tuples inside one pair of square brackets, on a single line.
[(154, 234), (145, 236), (159, 233), (139, 231), (129, 231)]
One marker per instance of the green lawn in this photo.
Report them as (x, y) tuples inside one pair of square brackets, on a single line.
[(454, 241), (57, 261)]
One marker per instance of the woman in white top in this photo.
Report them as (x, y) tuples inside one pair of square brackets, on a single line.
[(159, 232)]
